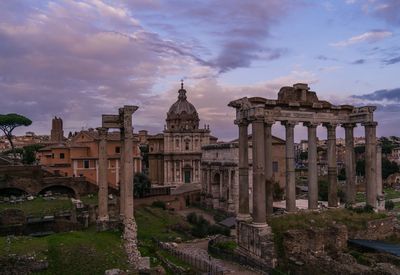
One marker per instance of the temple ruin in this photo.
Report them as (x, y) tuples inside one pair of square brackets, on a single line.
[(296, 105)]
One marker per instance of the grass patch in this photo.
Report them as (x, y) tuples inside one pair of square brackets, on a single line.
[(40, 206), (391, 193), (91, 199), (360, 197), (81, 252), (160, 224)]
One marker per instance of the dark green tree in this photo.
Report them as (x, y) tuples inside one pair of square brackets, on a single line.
[(9, 122), (29, 153), (389, 167), (141, 184), (360, 167), (342, 174), (303, 155)]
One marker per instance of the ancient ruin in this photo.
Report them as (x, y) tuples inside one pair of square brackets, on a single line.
[(296, 105), (122, 121)]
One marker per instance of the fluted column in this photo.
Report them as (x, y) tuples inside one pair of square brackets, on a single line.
[(259, 207), (332, 165), (290, 167), (370, 162), (312, 166), (102, 181), (122, 175), (244, 211), (350, 163), (268, 168)]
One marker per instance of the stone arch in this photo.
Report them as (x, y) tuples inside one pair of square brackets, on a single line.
[(61, 189), (12, 191)]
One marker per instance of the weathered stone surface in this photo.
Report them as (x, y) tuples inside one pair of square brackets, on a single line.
[(12, 217), (315, 240)]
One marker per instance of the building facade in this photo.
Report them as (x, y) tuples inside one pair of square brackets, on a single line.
[(220, 173), (175, 155), (80, 157)]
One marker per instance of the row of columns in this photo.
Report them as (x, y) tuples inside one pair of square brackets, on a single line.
[(262, 166)]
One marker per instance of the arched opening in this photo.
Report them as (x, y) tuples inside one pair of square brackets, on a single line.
[(216, 178), (11, 191), (58, 190)]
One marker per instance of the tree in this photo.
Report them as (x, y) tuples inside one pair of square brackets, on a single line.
[(11, 121), (388, 168), (141, 185), (360, 167), (29, 153)]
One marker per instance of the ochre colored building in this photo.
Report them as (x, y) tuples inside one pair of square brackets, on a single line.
[(79, 156)]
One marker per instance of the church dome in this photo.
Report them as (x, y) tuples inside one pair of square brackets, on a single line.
[(182, 115)]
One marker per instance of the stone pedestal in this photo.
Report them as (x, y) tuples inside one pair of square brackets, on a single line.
[(257, 242)]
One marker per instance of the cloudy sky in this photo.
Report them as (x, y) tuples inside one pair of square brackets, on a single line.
[(80, 59)]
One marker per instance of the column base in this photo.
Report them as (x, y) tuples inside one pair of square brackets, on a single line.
[(107, 225), (256, 241), (381, 203), (244, 218)]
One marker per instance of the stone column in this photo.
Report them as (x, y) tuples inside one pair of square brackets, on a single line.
[(312, 166), (244, 211), (122, 176), (290, 167), (350, 163), (128, 165), (379, 193), (370, 162), (221, 181), (268, 168), (102, 170), (259, 205), (332, 165)]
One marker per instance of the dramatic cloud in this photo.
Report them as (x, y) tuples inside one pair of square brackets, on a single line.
[(371, 37), (238, 30), (388, 10), (382, 96), (388, 111), (79, 59)]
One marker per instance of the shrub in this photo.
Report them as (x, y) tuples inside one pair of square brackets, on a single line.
[(227, 245), (389, 205), (277, 192), (192, 218), (159, 204)]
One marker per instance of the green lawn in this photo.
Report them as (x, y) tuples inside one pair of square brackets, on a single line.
[(82, 252), (40, 206)]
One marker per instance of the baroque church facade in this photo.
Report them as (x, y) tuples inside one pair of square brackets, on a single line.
[(175, 154)]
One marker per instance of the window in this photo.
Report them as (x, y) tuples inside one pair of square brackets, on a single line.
[(86, 164), (52, 155), (187, 145), (275, 166), (117, 150), (177, 143), (62, 156)]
